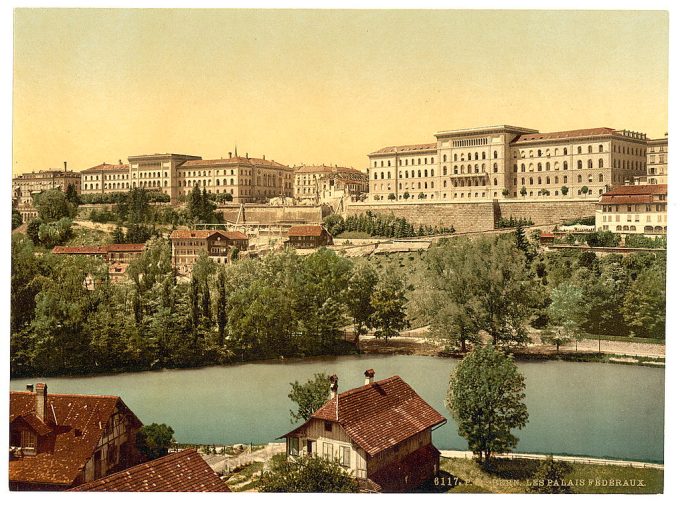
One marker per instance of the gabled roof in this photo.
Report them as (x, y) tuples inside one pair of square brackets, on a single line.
[(235, 235), (125, 247), (306, 231), (77, 422), (379, 415), (327, 169), (194, 233), (185, 471)]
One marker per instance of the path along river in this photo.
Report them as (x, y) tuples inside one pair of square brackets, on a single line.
[(593, 409)]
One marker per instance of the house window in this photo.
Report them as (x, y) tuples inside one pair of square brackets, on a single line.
[(344, 456), (293, 446), (328, 451), (327, 426), (28, 440)]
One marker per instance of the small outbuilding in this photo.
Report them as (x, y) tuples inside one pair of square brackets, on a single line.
[(308, 237)]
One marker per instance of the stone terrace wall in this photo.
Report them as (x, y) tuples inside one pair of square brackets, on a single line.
[(548, 211), (266, 214), (465, 217)]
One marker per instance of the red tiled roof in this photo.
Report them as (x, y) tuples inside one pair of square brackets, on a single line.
[(623, 200), (125, 247), (579, 133), (234, 161), (185, 471), (631, 190), (235, 235), (87, 249), (87, 414), (107, 168), (305, 231), (381, 414), (547, 234), (405, 148)]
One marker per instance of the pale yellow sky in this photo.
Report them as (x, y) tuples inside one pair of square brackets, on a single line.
[(95, 85)]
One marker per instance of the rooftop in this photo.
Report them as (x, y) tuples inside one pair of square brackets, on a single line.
[(405, 148), (327, 169), (632, 190), (77, 422), (306, 231), (184, 471), (233, 161), (579, 133), (107, 168), (379, 415)]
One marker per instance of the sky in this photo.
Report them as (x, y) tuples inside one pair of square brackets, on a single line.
[(324, 86)]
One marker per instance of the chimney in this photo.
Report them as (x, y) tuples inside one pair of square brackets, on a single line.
[(334, 386), (64, 165), (247, 155), (41, 401), (369, 374), (120, 161), (230, 155), (264, 158)]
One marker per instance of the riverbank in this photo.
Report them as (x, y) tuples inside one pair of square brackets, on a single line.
[(604, 351)]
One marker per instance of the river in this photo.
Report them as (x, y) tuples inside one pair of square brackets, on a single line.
[(593, 409)]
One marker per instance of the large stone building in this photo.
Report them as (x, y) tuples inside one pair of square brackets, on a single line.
[(381, 433), (657, 161), (634, 209), (26, 185), (322, 184), (248, 180), (105, 179), (503, 161)]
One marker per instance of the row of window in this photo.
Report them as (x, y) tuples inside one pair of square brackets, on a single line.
[(648, 229), (469, 156), (629, 218)]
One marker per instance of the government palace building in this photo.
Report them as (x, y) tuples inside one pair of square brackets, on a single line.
[(487, 163)]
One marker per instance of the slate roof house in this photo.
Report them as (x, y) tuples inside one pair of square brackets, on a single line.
[(381, 432), (58, 441), (183, 471)]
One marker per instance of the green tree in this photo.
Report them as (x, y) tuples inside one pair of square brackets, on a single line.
[(33, 231), (550, 477), (307, 474), (644, 306), (309, 396), (155, 440), (391, 196), (16, 219), (55, 233), (220, 306), (584, 189), (389, 307), (568, 312), (523, 191), (72, 195), (358, 294), (564, 190), (407, 195), (118, 236), (52, 205), (486, 398)]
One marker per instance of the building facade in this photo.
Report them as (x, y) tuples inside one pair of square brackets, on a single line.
[(308, 237), (105, 179), (321, 184), (188, 245), (381, 433), (657, 161), (634, 209), (248, 180), (60, 441), (26, 185), (504, 161)]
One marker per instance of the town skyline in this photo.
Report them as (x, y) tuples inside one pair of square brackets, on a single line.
[(309, 92)]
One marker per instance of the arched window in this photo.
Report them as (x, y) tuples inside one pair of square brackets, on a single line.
[(590, 149), (444, 157), (469, 168), (514, 168), (539, 166), (382, 175), (565, 165), (531, 180), (579, 179), (431, 160), (522, 180), (547, 166), (523, 168), (476, 156), (476, 168), (590, 178), (495, 167), (601, 148), (578, 150), (483, 155), (564, 152), (564, 180), (444, 170), (600, 177), (495, 154), (547, 180), (540, 153), (455, 157), (531, 153), (600, 163), (590, 163), (579, 165)]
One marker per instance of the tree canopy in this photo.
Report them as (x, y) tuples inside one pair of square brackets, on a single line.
[(155, 440), (486, 399), (309, 396), (307, 474)]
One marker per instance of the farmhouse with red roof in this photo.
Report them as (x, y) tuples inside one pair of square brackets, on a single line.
[(381, 432), (58, 441)]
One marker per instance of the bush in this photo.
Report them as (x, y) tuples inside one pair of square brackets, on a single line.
[(640, 241), (513, 223)]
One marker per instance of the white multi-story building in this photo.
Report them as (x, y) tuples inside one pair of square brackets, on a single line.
[(633, 209), (320, 184), (657, 161), (105, 179), (508, 162)]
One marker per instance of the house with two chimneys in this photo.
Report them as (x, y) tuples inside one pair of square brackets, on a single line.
[(381, 432)]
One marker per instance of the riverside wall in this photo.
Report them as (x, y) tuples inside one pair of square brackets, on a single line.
[(473, 216)]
